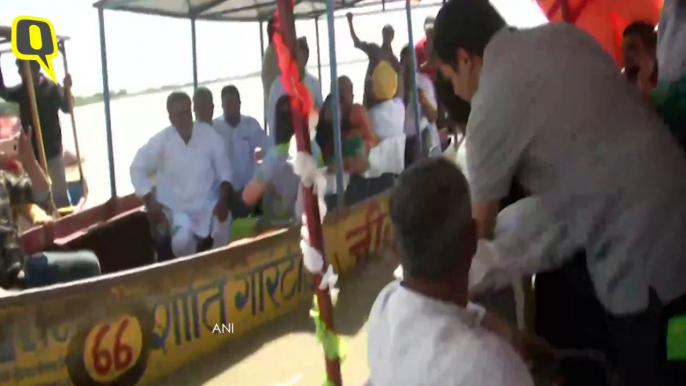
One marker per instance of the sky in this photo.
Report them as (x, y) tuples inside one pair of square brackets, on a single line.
[(151, 51)]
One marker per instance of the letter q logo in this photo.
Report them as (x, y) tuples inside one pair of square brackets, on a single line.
[(33, 38)]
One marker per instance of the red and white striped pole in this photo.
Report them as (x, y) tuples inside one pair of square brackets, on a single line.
[(301, 106)]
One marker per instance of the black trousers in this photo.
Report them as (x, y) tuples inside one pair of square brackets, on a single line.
[(411, 148), (569, 316), (641, 345)]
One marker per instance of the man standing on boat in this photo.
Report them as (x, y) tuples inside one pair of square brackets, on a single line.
[(50, 99), (428, 108), (243, 137), (376, 54), (423, 48), (189, 201), (270, 64), (203, 105), (311, 82), (550, 111)]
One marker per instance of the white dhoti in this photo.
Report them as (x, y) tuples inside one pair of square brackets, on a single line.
[(188, 229), (188, 176)]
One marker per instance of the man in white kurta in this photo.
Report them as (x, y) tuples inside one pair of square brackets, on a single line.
[(242, 135), (189, 199)]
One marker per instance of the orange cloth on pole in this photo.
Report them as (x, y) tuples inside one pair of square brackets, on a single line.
[(604, 19)]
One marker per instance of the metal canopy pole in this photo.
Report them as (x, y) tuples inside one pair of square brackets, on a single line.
[(84, 187), (106, 100), (261, 39), (195, 54), (264, 110), (319, 54), (413, 75), (336, 108)]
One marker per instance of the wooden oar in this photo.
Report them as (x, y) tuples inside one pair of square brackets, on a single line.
[(38, 133), (84, 187)]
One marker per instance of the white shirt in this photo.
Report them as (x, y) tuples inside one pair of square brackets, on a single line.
[(241, 142), (277, 91), (424, 84), (388, 118), (187, 176), (527, 240), (416, 340)]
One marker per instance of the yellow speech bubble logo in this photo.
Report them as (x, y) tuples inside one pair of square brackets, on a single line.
[(33, 38)]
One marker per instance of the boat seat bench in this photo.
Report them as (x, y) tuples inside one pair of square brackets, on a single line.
[(124, 242)]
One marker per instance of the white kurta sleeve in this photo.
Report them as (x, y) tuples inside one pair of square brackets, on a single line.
[(146, 163), (522, 248), (220, 159)]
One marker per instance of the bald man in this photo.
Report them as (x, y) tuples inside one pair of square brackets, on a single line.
[(203, 105)]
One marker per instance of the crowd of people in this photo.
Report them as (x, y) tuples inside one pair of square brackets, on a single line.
[(251, 173)]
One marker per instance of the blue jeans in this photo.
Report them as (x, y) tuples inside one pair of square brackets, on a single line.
[(47, 268)]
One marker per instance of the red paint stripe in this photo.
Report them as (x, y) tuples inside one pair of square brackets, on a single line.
[(552, 11), (301, 105), (574, 15), (301, 100)]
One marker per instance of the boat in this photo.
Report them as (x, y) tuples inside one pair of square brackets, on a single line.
[(140, 319)]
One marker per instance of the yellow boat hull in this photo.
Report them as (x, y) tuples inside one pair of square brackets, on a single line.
[(132, 328)]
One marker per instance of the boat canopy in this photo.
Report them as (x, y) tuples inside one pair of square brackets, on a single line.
[(228, 10)]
